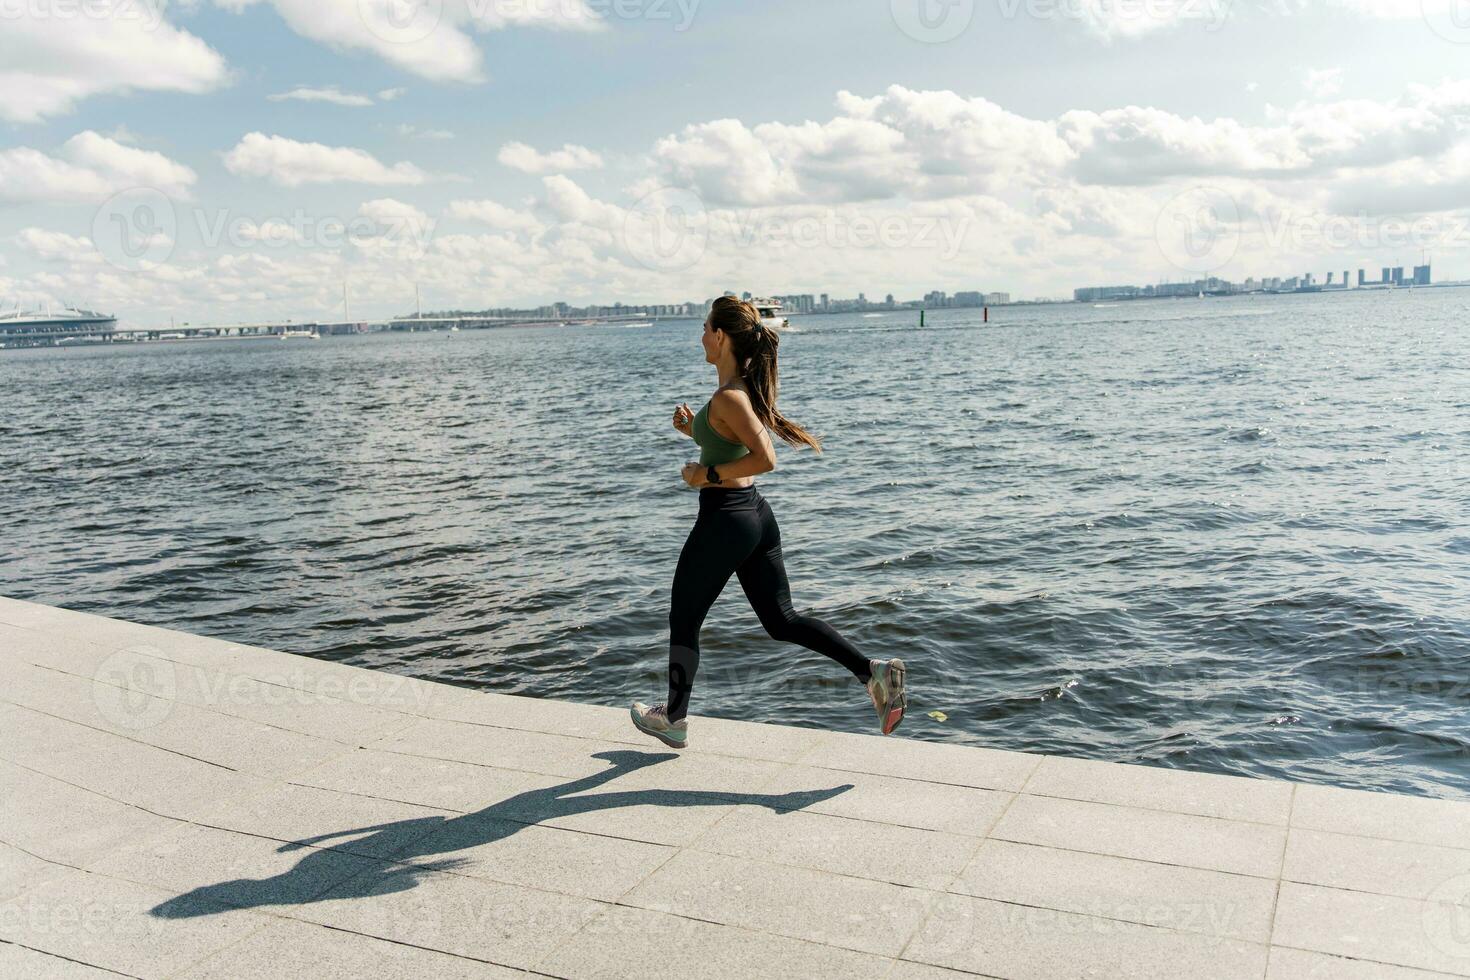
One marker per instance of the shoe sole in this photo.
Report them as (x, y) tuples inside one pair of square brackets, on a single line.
[(656, 734), (898, 700)]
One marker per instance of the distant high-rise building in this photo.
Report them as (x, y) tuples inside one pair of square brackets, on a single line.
[(1422, 275), (1092, 294), (1362, 277), (1398, 275), (825, 303), (1387, 276), (1344, 278)]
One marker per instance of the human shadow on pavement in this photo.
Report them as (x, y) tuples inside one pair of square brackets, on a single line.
[(385, 858)]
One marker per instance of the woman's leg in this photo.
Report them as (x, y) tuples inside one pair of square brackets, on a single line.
[(717, 544), (763, 577)]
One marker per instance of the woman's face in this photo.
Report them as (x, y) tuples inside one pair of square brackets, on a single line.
[(711, 341)]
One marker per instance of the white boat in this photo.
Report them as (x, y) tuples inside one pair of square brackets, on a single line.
[(289, 334), (770, 311)]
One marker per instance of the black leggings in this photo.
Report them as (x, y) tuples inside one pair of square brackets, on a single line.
[(736, 532)]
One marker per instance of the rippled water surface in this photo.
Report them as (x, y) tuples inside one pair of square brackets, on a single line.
[(1227, 535)]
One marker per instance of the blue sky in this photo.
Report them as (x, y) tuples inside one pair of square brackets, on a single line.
[(496, 158)]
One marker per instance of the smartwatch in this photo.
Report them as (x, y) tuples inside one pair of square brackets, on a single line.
[(710, 475)]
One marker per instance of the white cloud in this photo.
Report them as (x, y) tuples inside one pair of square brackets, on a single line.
[(30, 176), (329, 94), (54, 246), (143, 168), (920, 144), (389, 94), (1408, 188), (89, 168), (570, 204), (292, 163), (395, 222), (50, 63), (435, 41), (1112, 19), (495, 215), (387, 209), (1139, 145), (1322, 83), (1393, 9), (1142, 145), (527, 159), (411, 131), (272, 231)]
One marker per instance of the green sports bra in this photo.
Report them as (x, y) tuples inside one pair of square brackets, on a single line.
[(714, 448)]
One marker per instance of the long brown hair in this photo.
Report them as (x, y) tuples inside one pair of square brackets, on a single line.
[(755, 356)]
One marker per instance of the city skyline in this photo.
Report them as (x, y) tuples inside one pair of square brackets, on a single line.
[(1308, 282)]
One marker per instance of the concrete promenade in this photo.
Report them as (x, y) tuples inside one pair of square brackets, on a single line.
[(177, 806)]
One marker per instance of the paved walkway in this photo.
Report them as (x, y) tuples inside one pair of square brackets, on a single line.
[(176, 806)]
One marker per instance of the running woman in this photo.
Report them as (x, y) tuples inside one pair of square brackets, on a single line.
[(736, 532)]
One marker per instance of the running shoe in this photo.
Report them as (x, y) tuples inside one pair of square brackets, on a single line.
[(655, 721), (885, 687)]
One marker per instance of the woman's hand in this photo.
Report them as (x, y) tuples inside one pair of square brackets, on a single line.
[(694, 474), (684, 420)]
